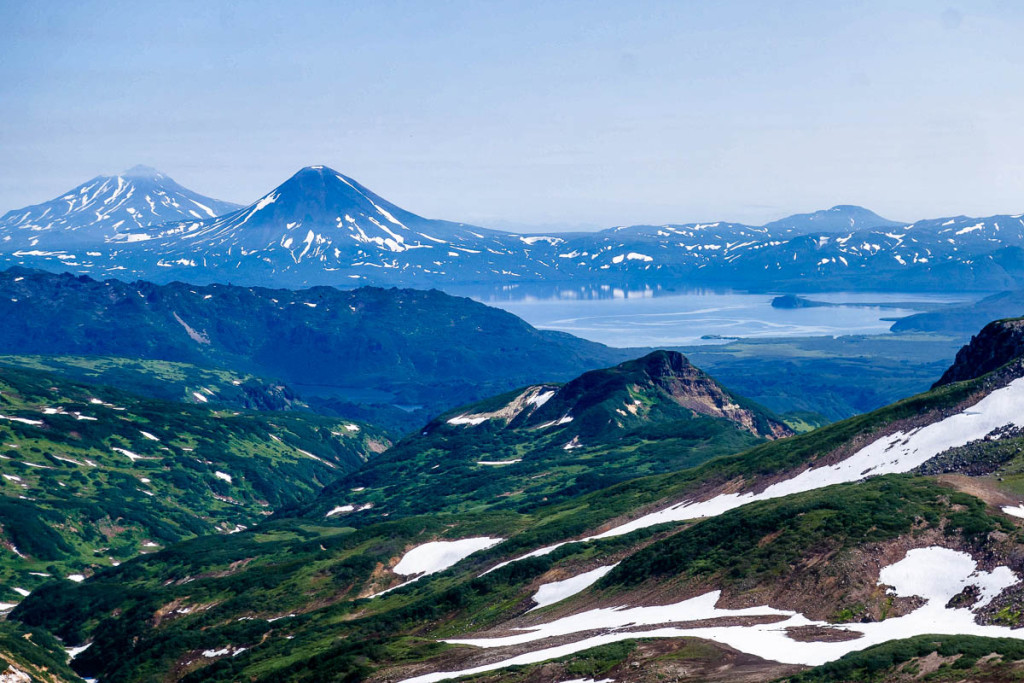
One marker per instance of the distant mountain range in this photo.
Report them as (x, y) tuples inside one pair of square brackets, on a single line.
[(321, 227)]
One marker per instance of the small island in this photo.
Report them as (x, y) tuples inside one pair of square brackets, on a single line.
[(794, 301)]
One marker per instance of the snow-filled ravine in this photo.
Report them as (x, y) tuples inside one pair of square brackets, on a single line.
[(894, 454), (935, 574)]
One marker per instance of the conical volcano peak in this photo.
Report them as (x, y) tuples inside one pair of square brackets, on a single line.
[(142, 171), (326, 183), (107, 208), (320, 169)]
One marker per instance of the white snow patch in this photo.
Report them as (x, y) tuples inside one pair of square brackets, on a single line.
[(541, 398), (897, 453), (12, 674), (223, 475), (972, 228), (633, 256), (935, 574), (22, 420), (265, 202), (75, 651), (550, 593), (466, 420), (340, 509), (310, 455), (131, 456), (148, 436), (77, 578), (498, 463), (437, 556)]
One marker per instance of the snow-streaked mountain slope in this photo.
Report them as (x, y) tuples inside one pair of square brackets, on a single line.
[(322, 227), (104, 208), (840, 560), (318, 226), (933, 574), (311, 212)]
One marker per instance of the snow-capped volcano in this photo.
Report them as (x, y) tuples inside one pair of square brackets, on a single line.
[(320, 227), (317, 226), (103, 208), (313, 213)]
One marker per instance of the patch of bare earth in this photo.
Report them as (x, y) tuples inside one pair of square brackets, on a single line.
[(980, 487)]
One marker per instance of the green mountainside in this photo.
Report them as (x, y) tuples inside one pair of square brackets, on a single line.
[(322, 342), (299, 598), (551, 442), (92, 476), (168, 381), (28, 655), (934, 658)]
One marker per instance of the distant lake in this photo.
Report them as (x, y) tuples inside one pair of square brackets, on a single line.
[(641, 318)]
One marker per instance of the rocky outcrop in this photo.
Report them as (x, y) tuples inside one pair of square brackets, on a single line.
[(997, 344), (652, 389)]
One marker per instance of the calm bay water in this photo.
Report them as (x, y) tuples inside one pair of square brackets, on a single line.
[(623, 319)]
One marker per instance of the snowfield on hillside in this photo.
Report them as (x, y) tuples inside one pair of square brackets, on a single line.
[(894, 454), (935, 574), (556, 591), (437, 556)]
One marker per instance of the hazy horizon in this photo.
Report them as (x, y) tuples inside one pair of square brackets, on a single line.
[(530, 115)]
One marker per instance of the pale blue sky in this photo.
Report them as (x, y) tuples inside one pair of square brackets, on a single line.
[(566, 113)]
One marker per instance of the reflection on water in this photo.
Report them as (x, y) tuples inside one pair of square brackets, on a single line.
[(533, 292), (657, 317)]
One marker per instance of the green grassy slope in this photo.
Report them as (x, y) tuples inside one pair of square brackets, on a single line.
[(547, 443), (92, 476), (167, 381), (815, 552)]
